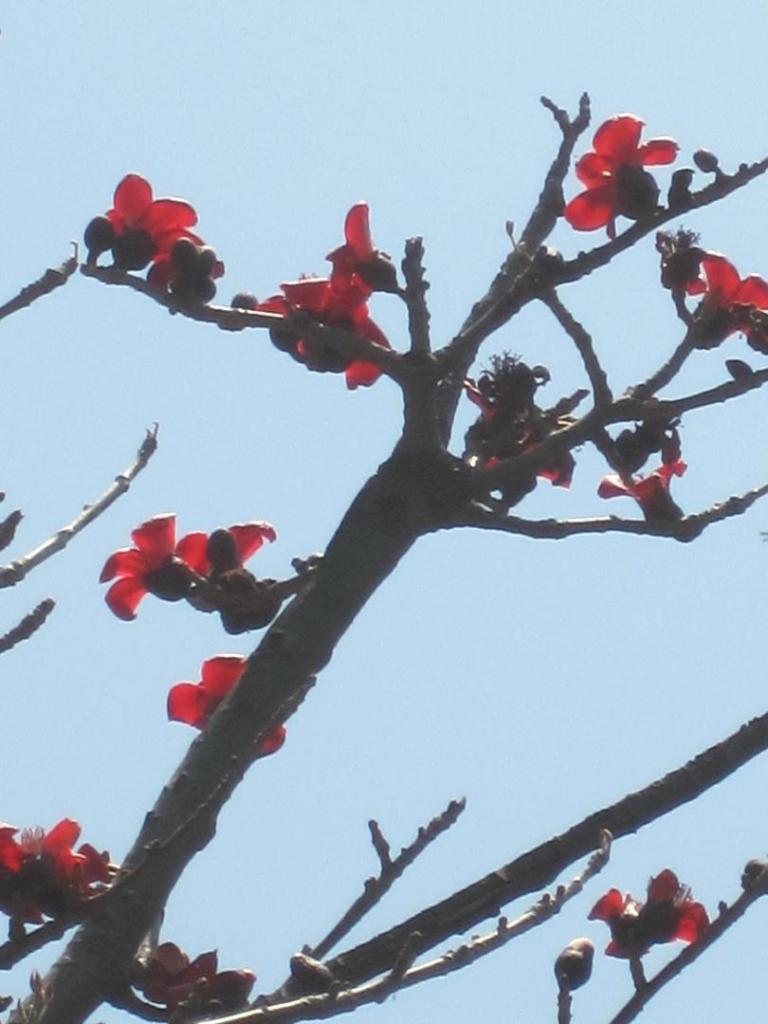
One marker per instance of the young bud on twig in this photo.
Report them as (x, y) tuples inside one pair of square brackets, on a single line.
[(573, 966)]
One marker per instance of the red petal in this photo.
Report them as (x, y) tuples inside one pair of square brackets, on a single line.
[(360, 374), (96, 866), (203, 966), (612, 487), (156, 537), (753, 291), (61, 838), (249, 537), (592, 209), (309, 293), (220, 674), (658, 151), (232, 987), (664, 887), (693, 922), (722, 279), (192, 549), (125, 562), (124, 596), (592, 169), (188, 703), (272, 742), (167, 216), (357, 231), (132, 198), (608, 906), (274, 304), (170, 958), (618, 137)]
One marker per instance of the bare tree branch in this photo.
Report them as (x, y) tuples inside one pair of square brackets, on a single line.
[(8, 528), (583, 342), (375, 888), (53, 278), (345, 1000), (15, 571), (351, 346), (28, 626), (539, 866), (415, 296), (685, 529)]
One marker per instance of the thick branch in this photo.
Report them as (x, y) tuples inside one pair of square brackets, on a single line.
[(14, 572), (540, 865), (346, 1000), (415, 296), (53, 278), (391, 511)]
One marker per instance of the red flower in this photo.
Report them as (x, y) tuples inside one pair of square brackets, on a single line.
[(651, 492), (337, 306), (614, 177), (139, 228), (727, 303), (357, 263), (241, 542), (170, 978), (194, 703), (155, 565), (668, 914), (42, 874)]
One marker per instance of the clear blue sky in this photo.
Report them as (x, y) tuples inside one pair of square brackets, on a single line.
[(541, 680)]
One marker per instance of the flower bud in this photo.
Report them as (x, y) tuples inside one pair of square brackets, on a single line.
[(573, 966)]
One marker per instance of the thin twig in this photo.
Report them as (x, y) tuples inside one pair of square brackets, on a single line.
[(28, 626), (539, 866), (725, 919), (8, 528), (53, 278), (346, 1000), (15, 571), (685, 529), (415, 296), (583, 342), (375, 888), (351, 346)]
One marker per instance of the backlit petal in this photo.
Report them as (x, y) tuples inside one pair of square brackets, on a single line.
[(220, 674), (132, 198), (249, 537), (357, 231), (125, 562), (658, 151), (124, 596), (192, 549), (188, 703), (592, 209), (722, 278), (618, 138), (61, 837), (156, 537), (592, 169)]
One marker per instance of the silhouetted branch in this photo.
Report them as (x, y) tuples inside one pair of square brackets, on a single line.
[(402, 975), (375, 888), (539, 866), (415, 296), (15, 571), (685, 529), (8, 528), (583, 342), (348, 345), (28, 625), (53, 278)]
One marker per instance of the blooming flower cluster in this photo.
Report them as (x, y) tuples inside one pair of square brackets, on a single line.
[(510, 422), (340, 300), (172, 980), (41, 874), (194, 703), (158, 565), (140, 230), (729, 304), (616, 184), (669, 913)]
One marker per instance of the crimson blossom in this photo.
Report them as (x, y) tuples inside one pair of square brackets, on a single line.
[(41, 874), (194, 703), (335, 305), (728, 303), (156, 565), (140, 228), (651, 492), (613, 174), (358, 262), (170, 978), (668, 914)]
